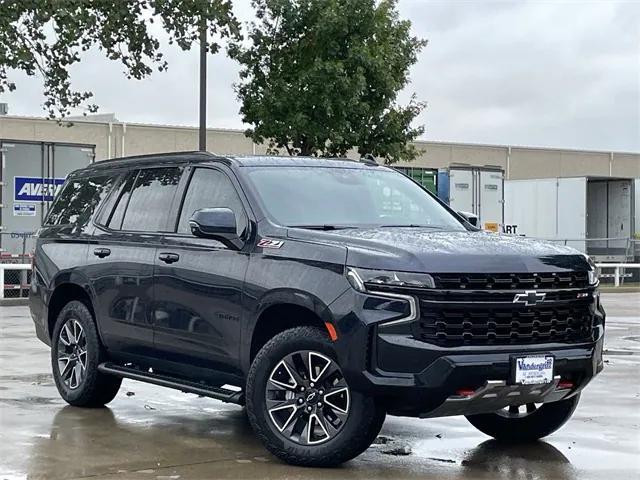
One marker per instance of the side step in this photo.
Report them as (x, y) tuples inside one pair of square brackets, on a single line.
[(219, 393)]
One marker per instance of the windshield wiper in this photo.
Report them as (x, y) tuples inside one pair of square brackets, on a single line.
[(322, 227), (412, 225)]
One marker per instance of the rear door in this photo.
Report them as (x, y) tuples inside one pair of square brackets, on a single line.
[(198, 293), (491, 199), (121, 261), (462, 191), (572, 212), (619, 213)]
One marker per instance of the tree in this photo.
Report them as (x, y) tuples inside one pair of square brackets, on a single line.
[(47, 37), (320, 77)]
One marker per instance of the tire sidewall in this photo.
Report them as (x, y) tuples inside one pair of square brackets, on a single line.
[(361, 409), (549, 418), (81, 313)]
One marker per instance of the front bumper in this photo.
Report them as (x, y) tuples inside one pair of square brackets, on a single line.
[(426, 379)]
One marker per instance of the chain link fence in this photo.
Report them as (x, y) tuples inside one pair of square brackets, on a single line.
[(15, 282)]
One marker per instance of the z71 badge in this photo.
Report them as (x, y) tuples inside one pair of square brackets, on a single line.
[(268, 243)]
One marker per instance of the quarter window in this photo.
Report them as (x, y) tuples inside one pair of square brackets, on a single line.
[(78, 200), (210, 188)]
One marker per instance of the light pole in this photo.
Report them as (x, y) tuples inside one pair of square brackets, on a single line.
[(202, 144)]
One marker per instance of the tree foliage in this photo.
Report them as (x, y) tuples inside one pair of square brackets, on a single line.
[(320, 77), (47, 37)]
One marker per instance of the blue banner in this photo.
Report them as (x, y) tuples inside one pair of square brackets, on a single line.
[(36, 189)]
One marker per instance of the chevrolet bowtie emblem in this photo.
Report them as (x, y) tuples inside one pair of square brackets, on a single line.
[(529, 297)]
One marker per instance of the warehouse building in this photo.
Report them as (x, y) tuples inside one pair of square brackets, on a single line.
[(110, 138), (38, 153)]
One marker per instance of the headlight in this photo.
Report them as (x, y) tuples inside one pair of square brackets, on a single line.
[(593, 273), (363, 279)]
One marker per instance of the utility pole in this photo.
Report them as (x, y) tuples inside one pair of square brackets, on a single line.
[(202, 144)]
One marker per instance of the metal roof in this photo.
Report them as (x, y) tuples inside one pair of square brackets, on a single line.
[(274, 161), (203, 157)]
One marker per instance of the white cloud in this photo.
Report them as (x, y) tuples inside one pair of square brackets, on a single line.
[(536, 73)]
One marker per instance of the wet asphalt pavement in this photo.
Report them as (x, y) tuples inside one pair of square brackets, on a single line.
[(153, 433)]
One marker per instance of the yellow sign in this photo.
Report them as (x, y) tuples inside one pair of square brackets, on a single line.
[(491, 226)]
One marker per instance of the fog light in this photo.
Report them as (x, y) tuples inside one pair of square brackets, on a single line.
[(564, 385), (465, 392)]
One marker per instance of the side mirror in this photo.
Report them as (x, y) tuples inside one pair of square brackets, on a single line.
[(472, 218), (216, 223)]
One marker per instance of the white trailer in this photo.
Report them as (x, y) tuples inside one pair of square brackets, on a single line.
[(477, 190), (593, 214)]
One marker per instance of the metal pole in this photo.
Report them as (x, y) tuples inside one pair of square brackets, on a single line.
[(203, 86)]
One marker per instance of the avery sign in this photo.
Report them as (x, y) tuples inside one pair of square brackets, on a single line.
[(36, 189)]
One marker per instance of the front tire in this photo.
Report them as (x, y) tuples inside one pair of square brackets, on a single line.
[(301, 406), (526, 423), (76, 352)]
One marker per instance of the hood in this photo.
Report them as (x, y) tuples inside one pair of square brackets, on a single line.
[(425, 250)]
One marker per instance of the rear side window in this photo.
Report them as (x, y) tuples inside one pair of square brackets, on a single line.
[(150, 199), (210, 189), (112, 217), (78, 200)]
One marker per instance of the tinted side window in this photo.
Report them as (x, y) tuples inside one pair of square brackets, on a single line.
[(112, 217), (78, 200), (210, 189), (151, 199)]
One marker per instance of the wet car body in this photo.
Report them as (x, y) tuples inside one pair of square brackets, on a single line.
[(448, 349)]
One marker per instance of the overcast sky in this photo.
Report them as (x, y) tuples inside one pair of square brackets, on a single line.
[(542, 73)]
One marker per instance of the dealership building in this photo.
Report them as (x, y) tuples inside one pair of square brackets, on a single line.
[(602, 186)]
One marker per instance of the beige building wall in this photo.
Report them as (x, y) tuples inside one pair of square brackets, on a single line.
[(118, 138)]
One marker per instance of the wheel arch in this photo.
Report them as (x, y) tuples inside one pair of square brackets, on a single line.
[(67, 288), (281, 311)]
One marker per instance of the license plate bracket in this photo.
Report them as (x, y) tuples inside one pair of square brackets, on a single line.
[(532, 369)]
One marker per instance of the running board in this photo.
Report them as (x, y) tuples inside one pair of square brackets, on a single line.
[(219, 393)]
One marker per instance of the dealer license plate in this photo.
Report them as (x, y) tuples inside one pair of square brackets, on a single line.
[(533, 370)]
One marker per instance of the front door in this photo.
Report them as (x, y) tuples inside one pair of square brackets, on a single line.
[(198, 282)]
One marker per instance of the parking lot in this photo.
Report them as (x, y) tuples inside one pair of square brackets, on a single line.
[(153, 433)]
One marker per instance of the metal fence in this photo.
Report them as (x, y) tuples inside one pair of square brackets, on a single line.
[(15, 265), (15, 280), (619, 271), (24, 250), (618, 249)]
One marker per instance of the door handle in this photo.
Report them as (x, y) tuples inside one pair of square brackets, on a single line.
[(102, 252), (169, 257)]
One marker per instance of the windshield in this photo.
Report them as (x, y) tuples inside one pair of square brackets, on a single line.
[(333, 197)]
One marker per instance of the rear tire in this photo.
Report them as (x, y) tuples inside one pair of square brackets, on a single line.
[(76, 352), (531, 427), (338, 435)]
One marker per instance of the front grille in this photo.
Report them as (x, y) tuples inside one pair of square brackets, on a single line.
[(486, 325), (479, 310), (511, 281)]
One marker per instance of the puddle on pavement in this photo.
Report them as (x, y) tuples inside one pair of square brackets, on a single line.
[(633, 338), (618, 352), (36, 379), (30, 401)]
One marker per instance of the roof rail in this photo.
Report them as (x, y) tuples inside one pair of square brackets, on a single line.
[(368, 159)]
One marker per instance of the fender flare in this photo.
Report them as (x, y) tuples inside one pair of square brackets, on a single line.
[(74, 277), (280, 296)]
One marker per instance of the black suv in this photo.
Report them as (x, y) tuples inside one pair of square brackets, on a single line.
[(322, 294)]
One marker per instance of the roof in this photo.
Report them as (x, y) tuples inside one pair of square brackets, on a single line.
[(241, 161), (154, 158), (274, 161)]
